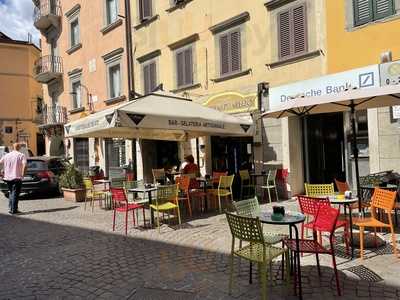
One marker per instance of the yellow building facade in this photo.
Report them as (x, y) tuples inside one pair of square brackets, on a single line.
[(218, 53), (20, 95), (361, 36)]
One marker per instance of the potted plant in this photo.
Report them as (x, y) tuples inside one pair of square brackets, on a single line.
[(71, 183)]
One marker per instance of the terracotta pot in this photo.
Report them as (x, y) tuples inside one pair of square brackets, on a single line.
[(74, 195)]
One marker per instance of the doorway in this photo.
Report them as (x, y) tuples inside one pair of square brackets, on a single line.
[(324, 147), (40, 144)]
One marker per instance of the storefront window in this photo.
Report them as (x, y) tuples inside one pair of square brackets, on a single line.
[(116, 157)]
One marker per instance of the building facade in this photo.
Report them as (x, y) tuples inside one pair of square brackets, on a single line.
[(20, 95), (227, 56), (84, 70)]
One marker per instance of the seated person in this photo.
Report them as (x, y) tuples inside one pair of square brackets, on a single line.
[(190, 167)]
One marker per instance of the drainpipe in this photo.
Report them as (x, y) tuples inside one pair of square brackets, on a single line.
[(129, 51)]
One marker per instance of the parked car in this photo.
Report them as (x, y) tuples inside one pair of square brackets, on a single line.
[(41, 176)]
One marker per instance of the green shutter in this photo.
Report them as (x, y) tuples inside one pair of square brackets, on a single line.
[(383, 8), (363, 11)]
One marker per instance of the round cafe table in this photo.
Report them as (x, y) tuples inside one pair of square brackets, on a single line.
[(291, 219)]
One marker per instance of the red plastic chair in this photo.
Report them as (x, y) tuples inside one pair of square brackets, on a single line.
[(309, 206), (121, 204), (325, 221)]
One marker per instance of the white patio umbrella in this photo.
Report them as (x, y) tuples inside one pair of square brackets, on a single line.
[(159, 116), (350, 100)]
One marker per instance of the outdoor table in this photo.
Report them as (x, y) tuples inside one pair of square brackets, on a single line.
[(145, 190), (291, 219), (105, 182)]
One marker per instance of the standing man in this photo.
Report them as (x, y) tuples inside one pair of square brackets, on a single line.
[(14, 170)]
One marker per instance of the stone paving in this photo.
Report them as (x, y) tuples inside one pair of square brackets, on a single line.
[(56, 250)]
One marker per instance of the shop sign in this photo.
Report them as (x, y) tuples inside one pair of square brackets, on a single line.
[(366, 77), (390, 75), (233, 102)]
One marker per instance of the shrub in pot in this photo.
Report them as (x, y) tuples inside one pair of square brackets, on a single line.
[(71, 183)]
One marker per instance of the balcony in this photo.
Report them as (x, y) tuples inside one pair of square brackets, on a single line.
[(47, 68), (47, 13), (53, 116)]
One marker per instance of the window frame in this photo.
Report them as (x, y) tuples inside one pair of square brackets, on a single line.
[(110, 78), (176, 52), (141, 17), (373, 18), (108, 22), (71, 32), (142, 66), (111, 60), (228, 33), (76, 78)]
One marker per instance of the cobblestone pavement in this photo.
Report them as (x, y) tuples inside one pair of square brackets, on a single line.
[(56, 250)]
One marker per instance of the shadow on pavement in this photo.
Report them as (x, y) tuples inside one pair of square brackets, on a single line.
[(40, 211)]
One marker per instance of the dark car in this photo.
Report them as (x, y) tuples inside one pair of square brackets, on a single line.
[(41, 176)]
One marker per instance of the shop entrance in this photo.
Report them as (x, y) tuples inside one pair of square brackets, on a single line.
[(324, 148)]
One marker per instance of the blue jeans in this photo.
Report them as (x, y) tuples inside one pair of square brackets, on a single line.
[(14, 188)]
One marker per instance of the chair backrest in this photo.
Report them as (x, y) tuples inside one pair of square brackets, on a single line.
[(117, 182), (248, 208), (88, 184), (132, 184), (271, 175), (383, 199), (225, 182), (310, 205), (167, 193), (118, 195), (319, 189), (158, 175), (244, 175), (326, 219), (245, 228), (183, 182), (342, 186), (217, 175)]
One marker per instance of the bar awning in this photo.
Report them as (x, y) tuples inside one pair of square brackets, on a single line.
[(361, 99), (159, 116)]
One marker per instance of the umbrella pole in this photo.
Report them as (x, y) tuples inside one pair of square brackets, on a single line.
[(355, 150)]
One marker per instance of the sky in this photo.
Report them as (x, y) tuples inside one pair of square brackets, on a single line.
[(16, 19)]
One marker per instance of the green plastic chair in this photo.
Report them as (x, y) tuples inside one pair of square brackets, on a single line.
[(166, 200), (246, 184), (128, 185), (251, 208), (117, 182), (250, 230), (270, 183)]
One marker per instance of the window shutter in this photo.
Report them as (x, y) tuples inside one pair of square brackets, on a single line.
[(383, 8), (284, 34), (146, 78), (145, 7), (236, 59), (153, 76), (224, 54), (188, 66), (180, 67), (299, 30), (362, 12)]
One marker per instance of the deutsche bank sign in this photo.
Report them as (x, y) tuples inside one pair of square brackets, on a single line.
[(365, 77)]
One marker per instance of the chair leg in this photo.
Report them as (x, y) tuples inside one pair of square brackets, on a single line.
[(263, 275), (189, 206), (85, 203), (393, 241), (269, 195), (126, 223), (179, 215), (158, 221), (346, 238), (287, 271), (144, 218), (318, 265), (92, 203), (114, 220), (219, 203), (133, 217), (362, 242), (276, 194), (336, 274)]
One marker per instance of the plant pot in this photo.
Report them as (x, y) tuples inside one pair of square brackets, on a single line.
[(74, 195)]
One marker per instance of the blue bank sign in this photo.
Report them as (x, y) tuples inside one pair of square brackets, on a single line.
[(365, 77)]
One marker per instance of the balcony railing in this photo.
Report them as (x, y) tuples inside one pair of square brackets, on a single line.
[(47, 68), (54, 115), (47, 13)]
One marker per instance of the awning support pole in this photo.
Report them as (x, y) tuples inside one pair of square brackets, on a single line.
[(355, 150)]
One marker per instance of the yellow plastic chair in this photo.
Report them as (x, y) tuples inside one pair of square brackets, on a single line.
[(249, 230), (381, 200), (270, 183), (92, 194), (315, 190), (166, 200), (246, 184), (224, 189)]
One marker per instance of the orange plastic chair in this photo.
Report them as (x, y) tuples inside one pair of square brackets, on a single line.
[(183, 183), (383, 200), (342, 186), (216, 176)]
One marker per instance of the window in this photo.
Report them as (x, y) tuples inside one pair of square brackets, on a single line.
[(292, 32), (81, 155), (76, 94), (230, 52), (74, 38), (145, 10), (111, 11), (366, 11), (149, 76), (114, 77), (184, 66), (8, 129)]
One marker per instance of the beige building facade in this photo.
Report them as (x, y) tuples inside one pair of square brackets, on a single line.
[(20, 95), (226, 55)]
